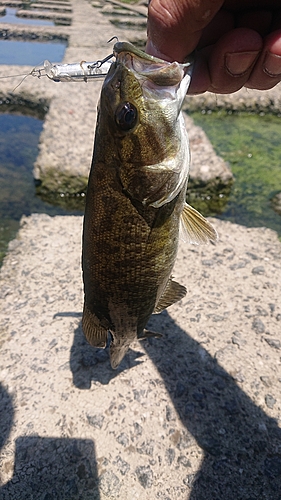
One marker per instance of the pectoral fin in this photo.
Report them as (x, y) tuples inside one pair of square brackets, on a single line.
[(95, 334), (195, 228), (172, 293)]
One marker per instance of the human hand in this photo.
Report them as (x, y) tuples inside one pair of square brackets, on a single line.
[(237, 42)]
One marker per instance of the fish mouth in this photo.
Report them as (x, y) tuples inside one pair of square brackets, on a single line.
[(153, 72)]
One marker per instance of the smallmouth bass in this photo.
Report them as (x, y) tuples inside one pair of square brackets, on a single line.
[(135, 200)]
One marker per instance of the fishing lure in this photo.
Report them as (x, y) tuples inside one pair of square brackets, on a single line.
[(76, 72)]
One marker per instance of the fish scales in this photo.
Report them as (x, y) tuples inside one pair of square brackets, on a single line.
[(135, 199)]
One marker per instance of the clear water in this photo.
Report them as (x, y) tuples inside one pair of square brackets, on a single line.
[(252, 146), (10, 17), (30, 53), (19, 137)]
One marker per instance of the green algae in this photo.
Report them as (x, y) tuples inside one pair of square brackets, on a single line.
[(55, 182), (251, 144)]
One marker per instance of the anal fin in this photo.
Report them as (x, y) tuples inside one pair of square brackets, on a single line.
[(196, 229), (95, 334), (172, 293)]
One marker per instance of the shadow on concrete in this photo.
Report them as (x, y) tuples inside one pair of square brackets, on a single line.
[(241, 444), (47, 468)]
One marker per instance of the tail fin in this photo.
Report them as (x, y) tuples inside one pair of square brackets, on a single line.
[(117, 353)]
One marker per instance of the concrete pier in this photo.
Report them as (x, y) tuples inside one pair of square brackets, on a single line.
[(195, 415)]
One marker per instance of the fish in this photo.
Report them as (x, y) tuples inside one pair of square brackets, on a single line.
[(136, 200)]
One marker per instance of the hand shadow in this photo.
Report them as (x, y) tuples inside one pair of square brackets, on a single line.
[(241, 444), (46, 468)]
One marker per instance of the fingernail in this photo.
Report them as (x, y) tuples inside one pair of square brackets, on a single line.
[(238, 63), (272, 64)]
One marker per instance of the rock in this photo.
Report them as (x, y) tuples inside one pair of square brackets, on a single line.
[(266, 381), (270, 401), (170, 455), (109, 484), (275, 343), (145, 476), (258, 270), (123, 439), (146, 448), (137, 429), (258, 325), (183, 460), (189, 480), (122, 465), (96, 420)]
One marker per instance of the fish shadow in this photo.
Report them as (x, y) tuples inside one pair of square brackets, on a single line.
[(241, 444)]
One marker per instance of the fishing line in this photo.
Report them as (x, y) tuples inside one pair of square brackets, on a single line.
[(36, 72)]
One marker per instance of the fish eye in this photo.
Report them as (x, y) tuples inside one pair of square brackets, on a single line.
[(126, 116)]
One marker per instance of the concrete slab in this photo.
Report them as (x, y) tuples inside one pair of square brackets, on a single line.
[(52, 6), (194, 415), (44, 14)]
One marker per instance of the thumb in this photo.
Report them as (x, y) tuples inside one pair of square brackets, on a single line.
[(174, 27)]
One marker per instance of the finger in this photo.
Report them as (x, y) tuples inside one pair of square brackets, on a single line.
[(232, 59), (169, 36), (267, 70), (200, 81)]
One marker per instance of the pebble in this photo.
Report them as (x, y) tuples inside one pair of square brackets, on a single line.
[(123, 439), (96, 420), (270, 401), (266, 381), (170, 455), (146, 448), (258, 325), (137, 429), (275, 343), (109, 484), (145, 476), (183, 460), (122, 465), (258, 270)]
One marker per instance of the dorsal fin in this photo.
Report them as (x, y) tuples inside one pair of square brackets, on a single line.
[(196, 229), (93, 331), (172, 293)]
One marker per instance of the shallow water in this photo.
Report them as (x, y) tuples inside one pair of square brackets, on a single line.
[(19, 136), (30, 53), (251, 144), (10, 17)]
